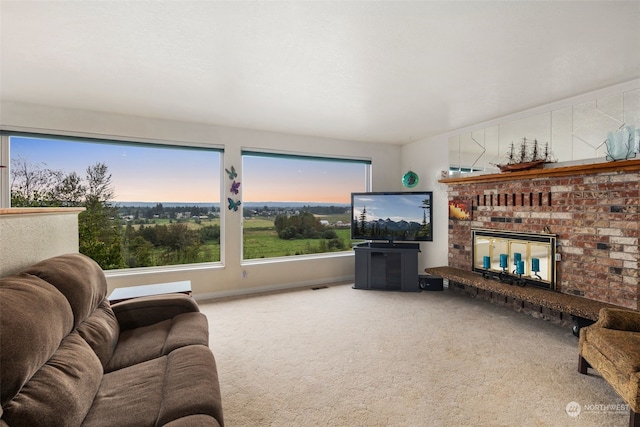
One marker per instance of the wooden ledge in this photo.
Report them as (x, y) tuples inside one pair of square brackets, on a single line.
[(40, 211), (565, 303), (586, 169)]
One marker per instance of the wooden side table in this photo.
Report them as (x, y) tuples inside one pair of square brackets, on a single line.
[(122, 294)]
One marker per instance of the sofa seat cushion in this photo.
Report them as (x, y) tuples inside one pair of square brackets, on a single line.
[(156, 392), (159, 339), (619, 347)]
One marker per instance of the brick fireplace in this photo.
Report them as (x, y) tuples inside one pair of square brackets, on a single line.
[(594, 210)]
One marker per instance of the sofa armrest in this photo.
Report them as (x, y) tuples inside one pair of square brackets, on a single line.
[(146, 311), (619, 319)]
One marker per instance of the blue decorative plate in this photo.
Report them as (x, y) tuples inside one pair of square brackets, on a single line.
[(410, 179)]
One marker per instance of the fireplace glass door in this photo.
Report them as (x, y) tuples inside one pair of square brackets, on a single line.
[(527, 258)]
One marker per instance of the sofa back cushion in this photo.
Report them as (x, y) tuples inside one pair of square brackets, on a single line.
[(34, 319), (78, 277), (57, 332), (81, 280)]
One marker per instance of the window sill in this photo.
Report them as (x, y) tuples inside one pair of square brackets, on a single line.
[(294, 258), (141, 271)]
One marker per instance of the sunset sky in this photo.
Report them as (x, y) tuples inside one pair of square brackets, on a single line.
[(156, 174)]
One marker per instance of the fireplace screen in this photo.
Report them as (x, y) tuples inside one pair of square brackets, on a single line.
[(517, 258)]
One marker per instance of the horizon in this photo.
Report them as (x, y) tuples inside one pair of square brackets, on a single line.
[(260, 202)]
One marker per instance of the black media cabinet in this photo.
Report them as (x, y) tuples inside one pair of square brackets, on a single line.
[(387, 266)]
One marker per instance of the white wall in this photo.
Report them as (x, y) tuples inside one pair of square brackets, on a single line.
[(35, 234), (575, 128), (428, 158), (232, 276)]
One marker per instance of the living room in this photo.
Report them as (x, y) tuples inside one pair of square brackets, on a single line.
[(523, 83)]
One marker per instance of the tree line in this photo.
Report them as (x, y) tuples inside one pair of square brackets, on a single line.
[(278, 210), (306, 226), (171, 212)]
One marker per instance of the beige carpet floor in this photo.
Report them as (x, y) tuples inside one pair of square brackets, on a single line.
[(343, 357)]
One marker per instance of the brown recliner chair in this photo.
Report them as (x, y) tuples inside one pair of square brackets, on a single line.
[(611, 346), (67, 358)]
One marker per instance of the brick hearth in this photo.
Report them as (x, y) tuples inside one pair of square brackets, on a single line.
[(593, 209)]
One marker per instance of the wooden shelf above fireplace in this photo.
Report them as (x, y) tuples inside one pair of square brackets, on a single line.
[(586, 169)]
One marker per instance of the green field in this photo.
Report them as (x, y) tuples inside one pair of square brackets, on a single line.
[(192, 224), (260, 239)]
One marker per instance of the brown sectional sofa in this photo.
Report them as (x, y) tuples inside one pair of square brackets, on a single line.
[(612, 347), (68, 358)]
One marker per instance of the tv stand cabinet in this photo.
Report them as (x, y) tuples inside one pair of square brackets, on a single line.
[(387, 266)]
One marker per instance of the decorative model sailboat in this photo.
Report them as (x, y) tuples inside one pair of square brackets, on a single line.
[(527, 157)]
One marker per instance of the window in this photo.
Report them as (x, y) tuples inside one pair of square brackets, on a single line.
[(456, 170), (298, 205), (146, 204)]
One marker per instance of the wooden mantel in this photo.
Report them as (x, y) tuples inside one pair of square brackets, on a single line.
[(585, 169), (25, 211)]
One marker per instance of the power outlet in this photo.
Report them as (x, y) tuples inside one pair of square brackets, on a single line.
[(558, 257), (244, 274)]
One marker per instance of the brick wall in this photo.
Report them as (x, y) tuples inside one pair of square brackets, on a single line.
[(596, 217)]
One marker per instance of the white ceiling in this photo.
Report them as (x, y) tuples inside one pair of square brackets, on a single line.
[(379, 71)]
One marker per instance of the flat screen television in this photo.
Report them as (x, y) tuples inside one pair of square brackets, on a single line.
[(398, 216)]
